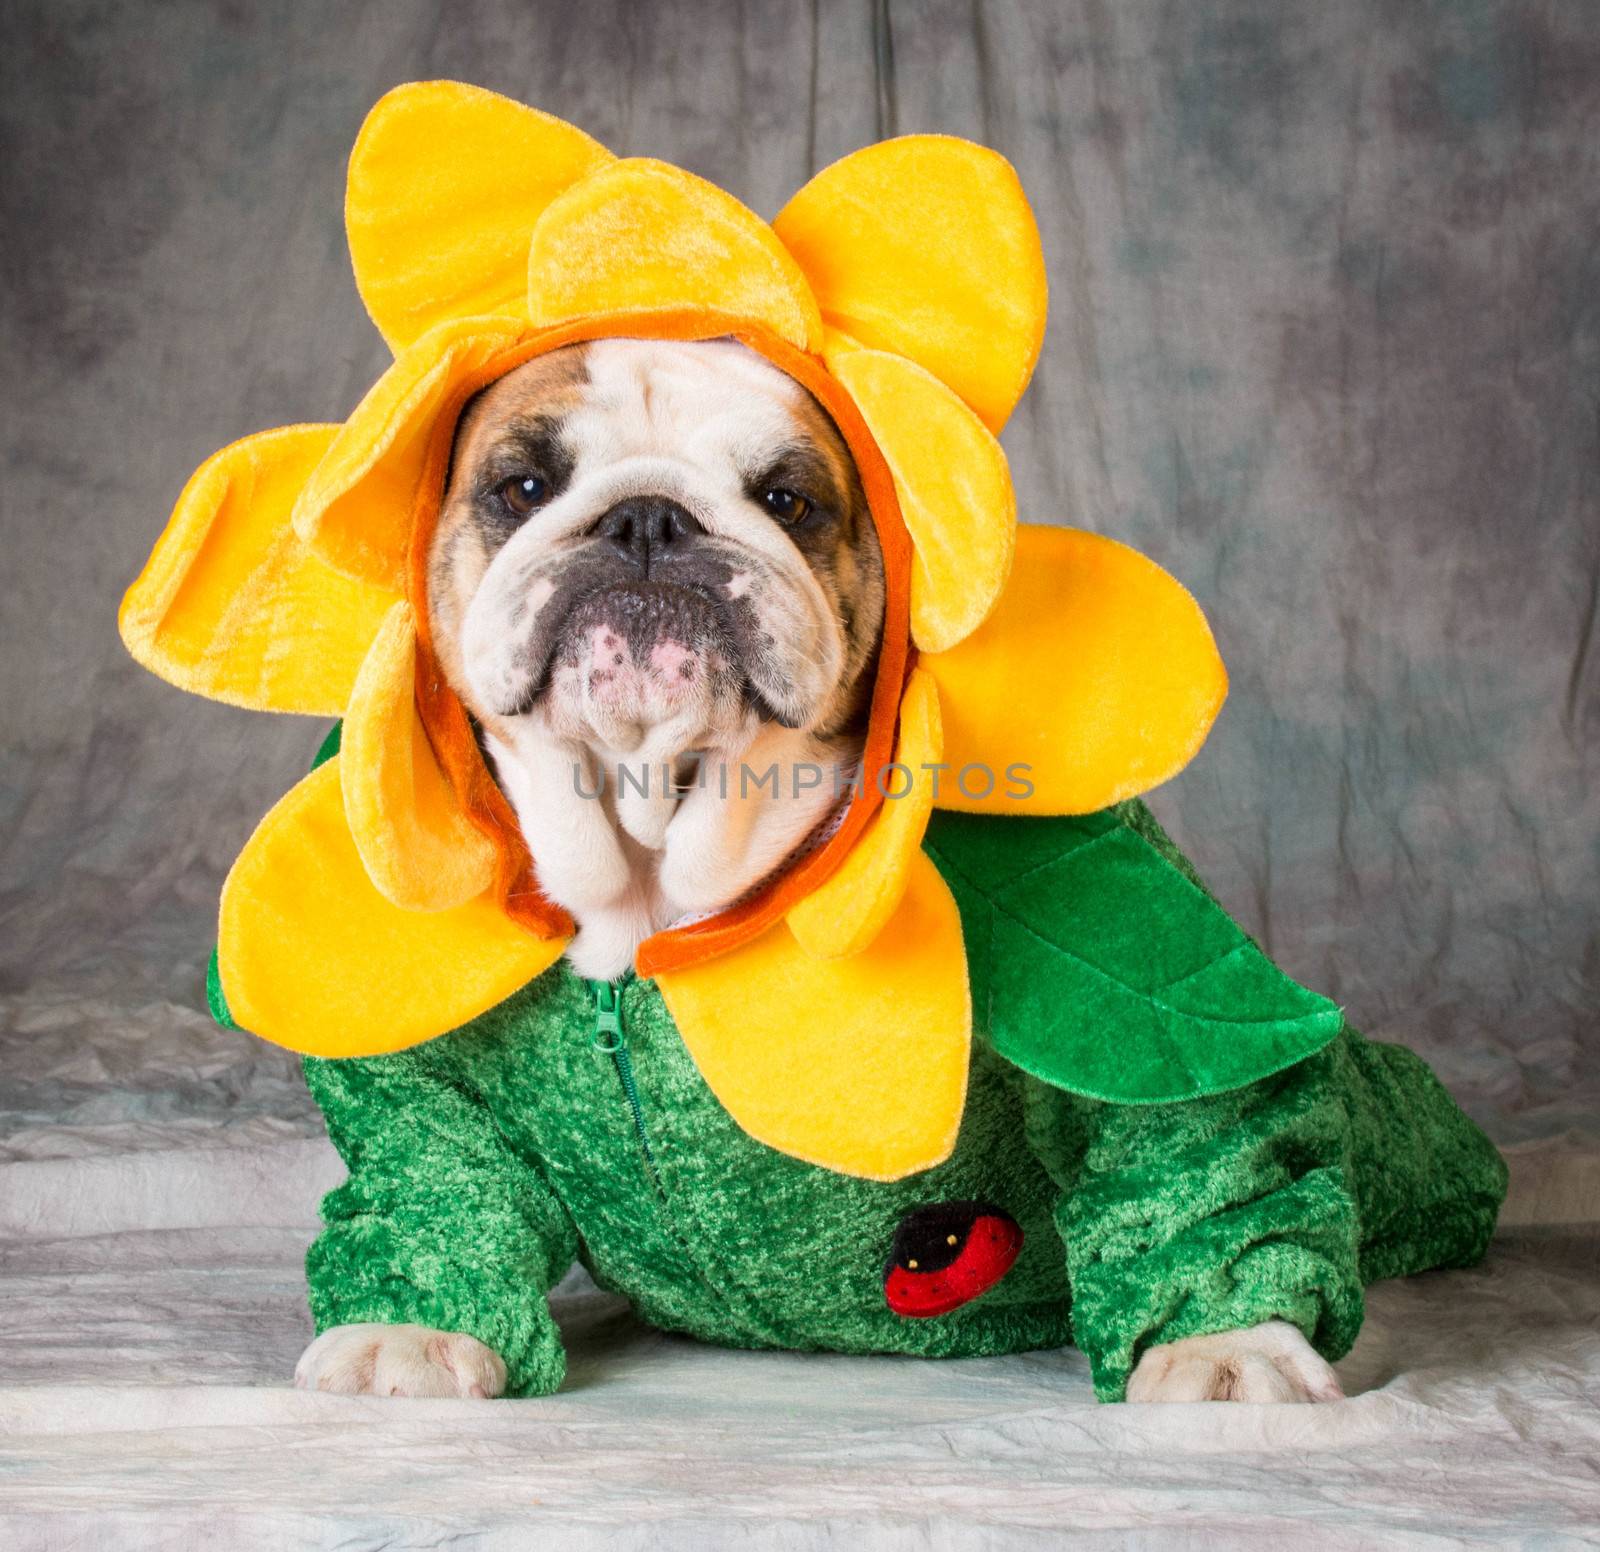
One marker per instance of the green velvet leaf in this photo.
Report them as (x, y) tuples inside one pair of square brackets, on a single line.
[(1100, 965)]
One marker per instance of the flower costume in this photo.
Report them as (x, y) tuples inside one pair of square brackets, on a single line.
[(986, 1070)]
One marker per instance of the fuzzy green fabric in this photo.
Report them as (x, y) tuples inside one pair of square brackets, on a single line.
[(483, 1163)]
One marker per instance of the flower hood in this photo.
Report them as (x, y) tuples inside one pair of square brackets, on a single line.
[(389, 897)]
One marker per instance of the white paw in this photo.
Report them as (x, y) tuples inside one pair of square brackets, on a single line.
[(1269, 1362), (379, 1360)]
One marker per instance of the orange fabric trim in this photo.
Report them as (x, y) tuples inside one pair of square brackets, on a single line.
[(450, 731)]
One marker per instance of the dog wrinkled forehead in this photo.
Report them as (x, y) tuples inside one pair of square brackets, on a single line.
[(715, 405), (696, 401)]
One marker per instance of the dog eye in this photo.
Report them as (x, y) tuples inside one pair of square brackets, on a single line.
[(788, 506), (522, 493)]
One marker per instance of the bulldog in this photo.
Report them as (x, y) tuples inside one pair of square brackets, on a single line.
[(655, 571)]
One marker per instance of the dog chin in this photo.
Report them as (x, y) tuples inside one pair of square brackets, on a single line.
[(637, 662)]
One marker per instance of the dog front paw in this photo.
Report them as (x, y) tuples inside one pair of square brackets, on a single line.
[(1269, 1362), (380, 1360)]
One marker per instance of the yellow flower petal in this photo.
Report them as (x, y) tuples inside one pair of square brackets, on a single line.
[(233, 605), (314, 958), (356, 509), (1096, 672), (421, 851), (642, 236), (446, 182), (954, 487), (848, 912), (925, 246), (858, 1065)]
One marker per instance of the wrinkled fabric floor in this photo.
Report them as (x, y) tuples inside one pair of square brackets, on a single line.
[(1470, 1424), (150, 1279)]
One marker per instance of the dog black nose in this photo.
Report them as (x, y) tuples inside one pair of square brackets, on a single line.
[(643, 529)]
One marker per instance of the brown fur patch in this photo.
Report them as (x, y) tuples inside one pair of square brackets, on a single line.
[(547, 387)]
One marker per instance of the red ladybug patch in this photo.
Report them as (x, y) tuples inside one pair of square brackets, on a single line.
[(947, 1254)]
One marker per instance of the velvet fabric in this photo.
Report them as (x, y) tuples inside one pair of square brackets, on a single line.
[(863, 231), (420, 848), (858, 1063), (230, 581), (300, 896), (1095, 672), (954, 489), (1101, 968), (911, 305), (482, 1164), (849, 911), (640, 236), (472, 170)]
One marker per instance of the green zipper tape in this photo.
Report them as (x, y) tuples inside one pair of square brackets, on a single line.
[(610, 1040)]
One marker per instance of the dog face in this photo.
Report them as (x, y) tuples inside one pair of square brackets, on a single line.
[(655, 545)]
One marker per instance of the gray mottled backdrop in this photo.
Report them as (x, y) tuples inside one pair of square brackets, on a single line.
[(1324, 342)]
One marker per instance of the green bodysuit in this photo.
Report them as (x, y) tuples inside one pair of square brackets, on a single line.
[(570, 1123)]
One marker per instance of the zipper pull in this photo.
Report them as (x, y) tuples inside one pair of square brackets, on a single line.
[(608, 1036)]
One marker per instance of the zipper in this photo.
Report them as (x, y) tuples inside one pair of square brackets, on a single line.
[(610, 1039)]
